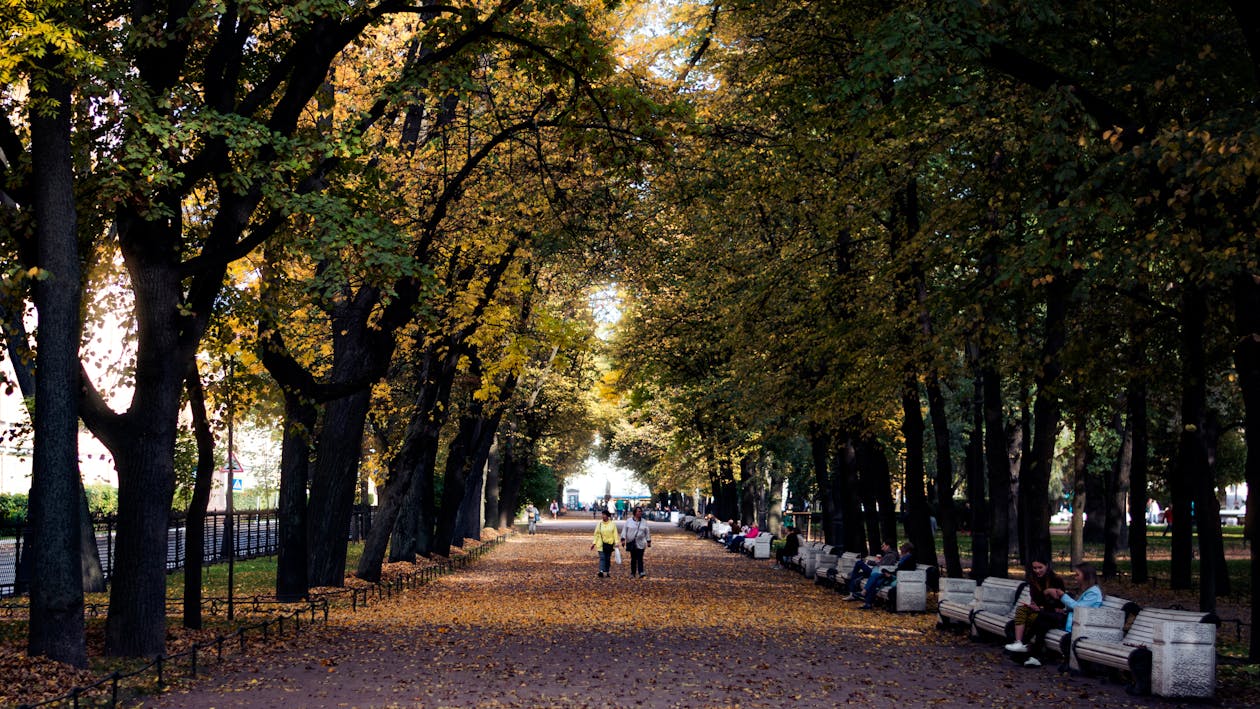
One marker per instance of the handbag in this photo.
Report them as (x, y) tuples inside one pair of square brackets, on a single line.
[(617, 554)]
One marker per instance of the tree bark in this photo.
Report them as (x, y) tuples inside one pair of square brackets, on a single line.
[(1138, 468), (874, 464), (292, 580), (1118, 494), (820, 448), (1035, 477), (1081, 455), (492, 484), (1191, 461), (195, 519), (331, 500), (944, 477), (980, 528), (918, 516), (997, 463), (1246, 297), (56, 627)]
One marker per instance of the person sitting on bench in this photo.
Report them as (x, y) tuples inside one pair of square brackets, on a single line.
[(886, 576), (862, 571)]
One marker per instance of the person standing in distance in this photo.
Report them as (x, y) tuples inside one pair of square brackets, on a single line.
[(606, 540), (637, 537), (531, 514)]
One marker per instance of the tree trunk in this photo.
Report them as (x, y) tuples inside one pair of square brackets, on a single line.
[(468, 523), (998, 464), (774, 498), (56, 627), (492, 485), (1211, 538), (332, 488), (874, 465), (976, 481), (517, 454), (292, 581), (458, 458), (1035, 477), (944, 478), (1019, 437), (1080, 470), (819, 448), (1246, 292), (392, 494), (918, 516), (92, 573), (1192, 462), (1118, 493), (195, 519), (1138, 467), (847, 494)]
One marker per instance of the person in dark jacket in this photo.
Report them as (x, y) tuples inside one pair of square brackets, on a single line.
[(791, 547), (886, 576)]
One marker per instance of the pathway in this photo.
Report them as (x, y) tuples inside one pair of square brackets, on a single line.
[(530, 625)]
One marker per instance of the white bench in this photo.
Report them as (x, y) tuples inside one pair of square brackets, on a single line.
[(836, 575), (822, 560), (758, 548), (995, 595), (805, 560), (955, 600), (908, 593), (798, 562), (1170, 653), (1059, 640), (1003, 625)]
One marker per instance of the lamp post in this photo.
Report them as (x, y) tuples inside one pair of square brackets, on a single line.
[(230, 523)]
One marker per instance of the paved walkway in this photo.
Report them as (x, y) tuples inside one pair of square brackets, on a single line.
[(530, 625)]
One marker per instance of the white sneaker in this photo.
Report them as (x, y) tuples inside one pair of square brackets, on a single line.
[(1016, 647), (1032, 662)]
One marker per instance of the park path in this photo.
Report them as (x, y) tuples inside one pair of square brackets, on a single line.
[(530, 625)]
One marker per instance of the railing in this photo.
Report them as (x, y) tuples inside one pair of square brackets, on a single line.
[(255, 533)]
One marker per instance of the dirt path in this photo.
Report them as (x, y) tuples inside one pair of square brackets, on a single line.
[(530, 625)]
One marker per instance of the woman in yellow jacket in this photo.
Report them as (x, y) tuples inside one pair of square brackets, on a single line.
[(606, 539)]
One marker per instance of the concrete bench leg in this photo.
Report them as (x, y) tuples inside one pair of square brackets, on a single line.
[(1183, 661), (1140, 667)]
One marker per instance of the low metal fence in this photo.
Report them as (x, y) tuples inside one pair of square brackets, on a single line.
[(255, 533)]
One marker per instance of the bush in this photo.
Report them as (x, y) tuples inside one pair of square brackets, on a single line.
[(13, 509), (102, 500)]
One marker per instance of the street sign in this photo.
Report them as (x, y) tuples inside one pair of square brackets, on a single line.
[(238, 485)]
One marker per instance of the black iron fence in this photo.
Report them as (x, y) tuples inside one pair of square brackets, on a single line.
[(255, 533)]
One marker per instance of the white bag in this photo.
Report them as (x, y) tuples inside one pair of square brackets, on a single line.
[(617, 554)]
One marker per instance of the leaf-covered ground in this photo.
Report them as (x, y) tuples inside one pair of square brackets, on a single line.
[(531, 625)]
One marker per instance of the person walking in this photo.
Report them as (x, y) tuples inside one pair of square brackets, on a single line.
[(555, 508), (531, 515), (637, 537), (606, 541)]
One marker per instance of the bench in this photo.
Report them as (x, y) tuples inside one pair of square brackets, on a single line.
[(803, 560), (955, 600), (837, 574), (1003, 625), (758, 548), (1118, 612), (823, 559), (1171, 653), (908, 592), (994, 595)]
